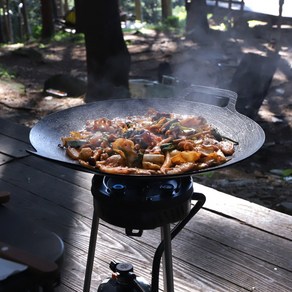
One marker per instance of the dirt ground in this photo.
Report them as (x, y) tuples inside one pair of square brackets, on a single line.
[(264, 178)]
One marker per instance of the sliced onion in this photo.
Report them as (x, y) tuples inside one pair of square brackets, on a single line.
[(153, 158)]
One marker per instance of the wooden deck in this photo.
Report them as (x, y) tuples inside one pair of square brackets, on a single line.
[(230, 245)]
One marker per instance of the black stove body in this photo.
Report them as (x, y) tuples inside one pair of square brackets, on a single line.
[(140, 204)]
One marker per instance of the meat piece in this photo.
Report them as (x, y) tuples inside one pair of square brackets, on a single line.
[(115, 160), (85, 153), (181, 168), (226, 147)]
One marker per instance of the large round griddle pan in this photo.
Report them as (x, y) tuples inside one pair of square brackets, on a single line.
[(216, 105)]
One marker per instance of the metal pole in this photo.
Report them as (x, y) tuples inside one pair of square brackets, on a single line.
[(167, 259), (279, 24), (91, 250)]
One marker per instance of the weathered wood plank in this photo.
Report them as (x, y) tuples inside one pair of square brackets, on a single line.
[(238, 267), (63, 288), (110, 245), (111, 241), (227, 258), (12, 147), (55, 189), (83, 179), (242, 210), (4, 158), (260, 244), (87, 197), (13, 130), (247, 212), (73, 270)]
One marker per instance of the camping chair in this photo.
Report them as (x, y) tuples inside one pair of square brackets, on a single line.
[(38, 251)]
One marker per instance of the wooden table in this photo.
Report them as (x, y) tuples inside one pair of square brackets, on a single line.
[(230, 245)]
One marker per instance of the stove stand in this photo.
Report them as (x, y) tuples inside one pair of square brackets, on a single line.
[(138, 204)]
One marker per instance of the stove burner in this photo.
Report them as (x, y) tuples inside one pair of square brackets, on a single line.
[(141, 203)]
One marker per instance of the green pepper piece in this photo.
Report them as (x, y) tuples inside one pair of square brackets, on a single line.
[(167, 146), (76, 143)]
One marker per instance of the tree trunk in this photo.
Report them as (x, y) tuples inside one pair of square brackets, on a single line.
[(47, 19), (138, 10), (197, 26), (166, 7), (26, 27), (8, 22), (1, 30), (107, 56)]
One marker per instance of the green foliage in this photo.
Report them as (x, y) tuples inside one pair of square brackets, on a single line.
[(287, 172), (176, 22), (180, 13), (208, 174), (61, 36), (34, 15), (78, 38), (5, 73), (36, 31), (282, 172), (151, 10), (127, 6), (171, 21)]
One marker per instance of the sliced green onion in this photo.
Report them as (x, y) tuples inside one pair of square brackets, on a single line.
[(76, 143)]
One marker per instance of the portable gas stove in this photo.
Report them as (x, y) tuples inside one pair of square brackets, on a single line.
[(137, 205)]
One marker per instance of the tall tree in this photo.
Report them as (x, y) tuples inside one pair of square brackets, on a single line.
[(8, 31), (48, 28), (24, 23), (138, 10), (107, 56), (166, 7)]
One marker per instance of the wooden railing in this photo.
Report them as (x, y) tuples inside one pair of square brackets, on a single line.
[(230, 3)]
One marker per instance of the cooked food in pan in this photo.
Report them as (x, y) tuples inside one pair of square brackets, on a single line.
[(156, 143)]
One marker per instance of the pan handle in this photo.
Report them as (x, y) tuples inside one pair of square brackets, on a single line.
[(210, 95)]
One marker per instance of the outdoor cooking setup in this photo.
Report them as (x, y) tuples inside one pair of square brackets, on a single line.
[(137, 202), (137, 205)]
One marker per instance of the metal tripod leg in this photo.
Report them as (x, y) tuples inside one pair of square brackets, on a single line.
[(167, 259), (91, 250), (200, 198)]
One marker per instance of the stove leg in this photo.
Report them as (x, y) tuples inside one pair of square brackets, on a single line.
[(201, 199), (91, 251), (167, 259)]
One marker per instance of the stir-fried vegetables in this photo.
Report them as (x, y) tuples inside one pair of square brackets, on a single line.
[(156, 143)]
